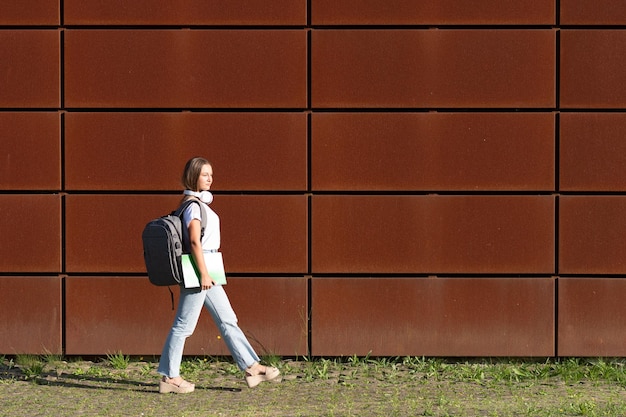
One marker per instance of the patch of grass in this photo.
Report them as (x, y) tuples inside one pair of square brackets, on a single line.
[(98, 372), (574, 370), (31, 365), (52, 359), (146, 369), (191, 367), (118, 360), (272, 359)]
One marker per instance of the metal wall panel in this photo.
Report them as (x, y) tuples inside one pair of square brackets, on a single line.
[(593, 12), (591, 235), (264, 233), (31, 311), (108, 314), (432, 151), (31, 232), (182, 68), (147, 151), (111, 314), (259, 233), (185, 12), (429, 12), (30, 12), (592, 150), (433, 234), (433, 316), (103, 232), (31, 151), (592, 74), (591, 312), (403, 68), (30, 68)]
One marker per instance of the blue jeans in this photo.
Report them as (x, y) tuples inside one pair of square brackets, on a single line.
[(189, 307)]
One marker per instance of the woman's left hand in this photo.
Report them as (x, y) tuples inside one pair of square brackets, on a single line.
[(206, 283)]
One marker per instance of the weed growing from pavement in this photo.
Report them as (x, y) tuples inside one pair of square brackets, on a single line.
[(118, 360), (31, 365)]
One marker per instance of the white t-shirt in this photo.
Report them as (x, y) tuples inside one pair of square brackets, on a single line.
[(211, 238)]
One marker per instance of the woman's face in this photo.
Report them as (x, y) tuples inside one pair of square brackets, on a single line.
[(205, 179)]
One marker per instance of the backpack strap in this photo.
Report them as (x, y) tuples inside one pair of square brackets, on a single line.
[(203, 221)]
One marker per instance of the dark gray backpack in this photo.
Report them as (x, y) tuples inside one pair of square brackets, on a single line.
[(164, 241)]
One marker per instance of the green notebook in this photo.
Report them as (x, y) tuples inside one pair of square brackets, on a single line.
[(214, 265)]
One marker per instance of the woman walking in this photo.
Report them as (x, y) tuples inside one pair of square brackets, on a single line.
[(197, 179)]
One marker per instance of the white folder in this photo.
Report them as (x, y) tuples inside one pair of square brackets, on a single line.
[(214, 265)]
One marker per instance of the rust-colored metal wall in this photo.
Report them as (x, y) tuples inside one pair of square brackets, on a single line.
[(396, 177)]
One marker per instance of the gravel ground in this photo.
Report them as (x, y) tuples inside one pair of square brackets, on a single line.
[(308, 388)]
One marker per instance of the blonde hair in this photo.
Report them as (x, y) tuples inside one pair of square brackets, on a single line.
[(192, 171)]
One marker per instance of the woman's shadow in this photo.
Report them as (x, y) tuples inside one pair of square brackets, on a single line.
[(73, 380)]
